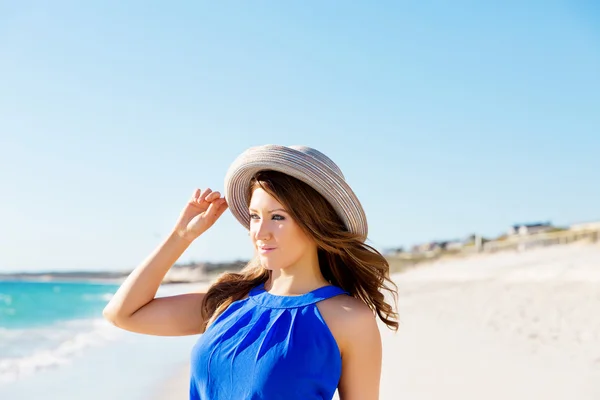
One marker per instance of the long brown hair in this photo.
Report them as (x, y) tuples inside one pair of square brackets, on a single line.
[(344, 259)]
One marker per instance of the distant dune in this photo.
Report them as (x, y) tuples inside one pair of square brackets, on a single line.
[(179, 273)]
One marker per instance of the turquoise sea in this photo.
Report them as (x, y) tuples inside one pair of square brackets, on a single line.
[(54, 344), (30, 305), (43, 324)]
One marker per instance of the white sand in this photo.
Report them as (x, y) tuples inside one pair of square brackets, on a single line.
[(502, 326)]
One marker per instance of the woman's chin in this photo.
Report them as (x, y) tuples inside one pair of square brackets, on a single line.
[(268, 263)]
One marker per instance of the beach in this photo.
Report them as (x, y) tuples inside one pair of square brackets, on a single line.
[(508, 325), (490, 326), (519, 325)]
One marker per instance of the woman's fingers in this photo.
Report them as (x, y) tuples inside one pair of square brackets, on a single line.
[(204, 194), (213, 196), (222, 208), (195, 194), (210, 212), (216, 208), (206, 197)]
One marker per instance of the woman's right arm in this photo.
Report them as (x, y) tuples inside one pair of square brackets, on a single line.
[(135, 307)]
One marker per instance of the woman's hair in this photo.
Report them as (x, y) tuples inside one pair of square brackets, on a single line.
[(344, 260)]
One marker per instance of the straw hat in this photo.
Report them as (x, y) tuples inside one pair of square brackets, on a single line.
[(304, 163)]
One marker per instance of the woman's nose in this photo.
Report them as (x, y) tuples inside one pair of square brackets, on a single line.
[(263, 231)]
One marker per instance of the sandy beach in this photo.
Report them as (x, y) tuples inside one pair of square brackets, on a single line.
[(506, 325), (509, 325)]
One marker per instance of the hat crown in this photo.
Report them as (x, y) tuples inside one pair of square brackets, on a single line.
[(316, 154)]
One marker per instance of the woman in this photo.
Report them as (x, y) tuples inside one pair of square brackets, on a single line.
[(299, 320)]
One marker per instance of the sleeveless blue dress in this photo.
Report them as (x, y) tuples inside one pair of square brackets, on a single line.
[(268, 347)]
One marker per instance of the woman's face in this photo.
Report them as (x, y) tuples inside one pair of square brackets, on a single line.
[(277, 238)]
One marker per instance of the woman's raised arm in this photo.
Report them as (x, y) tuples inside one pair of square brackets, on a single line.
[(134, 307)]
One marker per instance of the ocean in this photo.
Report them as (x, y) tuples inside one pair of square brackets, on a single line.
[(54, 342)]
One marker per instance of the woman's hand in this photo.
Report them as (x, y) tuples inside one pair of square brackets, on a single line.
[(200, 213)]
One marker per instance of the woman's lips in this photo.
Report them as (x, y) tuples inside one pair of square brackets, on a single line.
[(265, 250)]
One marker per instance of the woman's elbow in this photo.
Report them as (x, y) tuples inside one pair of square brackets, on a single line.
[(111, 314)]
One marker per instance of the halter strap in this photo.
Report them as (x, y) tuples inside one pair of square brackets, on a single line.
[(260, 296)]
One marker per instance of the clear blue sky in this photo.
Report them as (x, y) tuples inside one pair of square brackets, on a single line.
[(447, 118)]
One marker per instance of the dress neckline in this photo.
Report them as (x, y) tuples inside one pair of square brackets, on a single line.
[(259, 295)]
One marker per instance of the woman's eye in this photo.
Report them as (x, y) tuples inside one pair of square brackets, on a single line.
[(275, 217)]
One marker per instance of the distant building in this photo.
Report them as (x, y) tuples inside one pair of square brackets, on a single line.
[(453, 245), (530, 229), (445, 245), (425, 247), (393, 251), (586, 226)]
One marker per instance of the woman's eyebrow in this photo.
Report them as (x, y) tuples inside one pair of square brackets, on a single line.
[(270, 211)]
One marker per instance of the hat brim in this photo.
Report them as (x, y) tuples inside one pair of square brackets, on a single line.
[(301, 166)]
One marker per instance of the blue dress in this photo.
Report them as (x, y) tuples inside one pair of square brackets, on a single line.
[(268, 347)]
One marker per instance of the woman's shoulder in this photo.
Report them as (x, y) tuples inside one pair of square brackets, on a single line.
[(349, 319), (346, 308)]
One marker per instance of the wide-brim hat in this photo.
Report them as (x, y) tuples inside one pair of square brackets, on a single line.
[(303, 163)]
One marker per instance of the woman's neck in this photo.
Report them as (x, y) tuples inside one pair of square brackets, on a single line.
[(296, 279)]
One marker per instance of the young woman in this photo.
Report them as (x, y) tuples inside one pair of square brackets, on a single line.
[(299, 321)]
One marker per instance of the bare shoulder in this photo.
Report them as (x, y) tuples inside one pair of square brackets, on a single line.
[(344, 308), (349, 319), (354, 327)]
